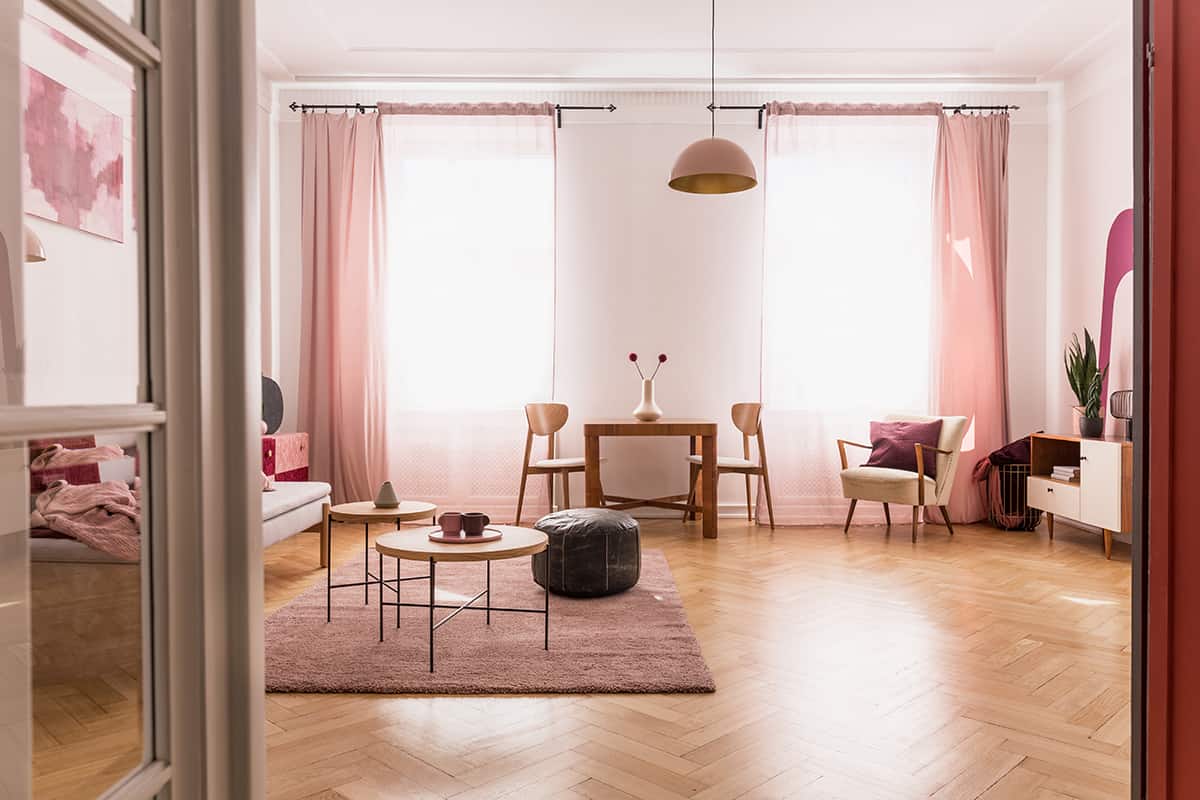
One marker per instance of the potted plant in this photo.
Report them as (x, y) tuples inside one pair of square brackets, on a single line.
[(1087, 383)]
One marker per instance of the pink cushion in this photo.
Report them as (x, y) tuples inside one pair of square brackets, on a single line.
[(892, 445)]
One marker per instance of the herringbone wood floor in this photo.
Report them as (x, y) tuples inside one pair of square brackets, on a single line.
[(991, 665)]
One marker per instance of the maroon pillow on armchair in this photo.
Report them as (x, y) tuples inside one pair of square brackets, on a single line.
[(892, 445)]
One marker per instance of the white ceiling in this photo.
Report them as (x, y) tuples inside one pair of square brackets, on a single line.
[(668, 39)]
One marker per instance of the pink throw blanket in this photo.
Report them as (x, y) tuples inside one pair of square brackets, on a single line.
[(56, 456), (104, 516)]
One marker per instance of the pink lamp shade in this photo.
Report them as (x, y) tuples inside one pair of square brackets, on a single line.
[(33, 246), (713, 166)]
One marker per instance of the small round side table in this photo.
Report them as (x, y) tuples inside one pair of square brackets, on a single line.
[(365, 512), (416, 546)]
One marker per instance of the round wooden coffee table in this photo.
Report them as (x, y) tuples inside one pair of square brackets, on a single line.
[(365, 512), (416, 546)]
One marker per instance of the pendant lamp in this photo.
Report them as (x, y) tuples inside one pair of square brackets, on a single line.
[(713, 165)]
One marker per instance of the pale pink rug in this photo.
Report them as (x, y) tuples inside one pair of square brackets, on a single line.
[(636, 641)]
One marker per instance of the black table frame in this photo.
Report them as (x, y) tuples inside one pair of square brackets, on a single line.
[(368, 580), (487, 608)]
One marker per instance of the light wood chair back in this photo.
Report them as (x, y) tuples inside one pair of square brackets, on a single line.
[(546, 418), (746, 417)]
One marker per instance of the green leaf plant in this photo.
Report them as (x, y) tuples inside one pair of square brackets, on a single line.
[(1084, 374)]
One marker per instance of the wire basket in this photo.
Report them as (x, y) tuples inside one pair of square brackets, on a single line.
[(1007, 498)]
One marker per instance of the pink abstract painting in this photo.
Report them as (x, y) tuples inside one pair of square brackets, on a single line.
[(74, 165)]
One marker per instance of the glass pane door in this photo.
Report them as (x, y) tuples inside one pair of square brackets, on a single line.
[(77, 464)]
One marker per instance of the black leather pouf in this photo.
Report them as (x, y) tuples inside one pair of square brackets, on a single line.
[(593, 552)]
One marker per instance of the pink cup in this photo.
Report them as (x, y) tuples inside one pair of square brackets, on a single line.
[(451, 522)]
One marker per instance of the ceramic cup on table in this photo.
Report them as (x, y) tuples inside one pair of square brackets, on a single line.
[(474, 523), (451, 522)]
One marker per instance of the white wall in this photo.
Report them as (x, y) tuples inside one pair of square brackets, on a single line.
[(1096, 163), (268, 297), (81, 304), (644, 268)]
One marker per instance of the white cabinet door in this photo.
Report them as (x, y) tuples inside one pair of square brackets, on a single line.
[(1100, 484)]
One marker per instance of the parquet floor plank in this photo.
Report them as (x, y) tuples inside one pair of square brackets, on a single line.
[(987, 666)]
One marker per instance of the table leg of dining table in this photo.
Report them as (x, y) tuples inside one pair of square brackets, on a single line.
[(591, 472), (708, 479)]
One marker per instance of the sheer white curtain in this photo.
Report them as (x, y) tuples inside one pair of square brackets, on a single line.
[(847, 287), (470, 300)]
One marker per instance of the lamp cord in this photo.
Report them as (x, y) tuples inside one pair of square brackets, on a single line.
[(712, 71)]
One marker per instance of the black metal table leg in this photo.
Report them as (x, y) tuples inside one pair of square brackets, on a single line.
[(366, 563), (397, 593), (432, 591), (546, 606), (329, 569), (489, 591), (381, 596)]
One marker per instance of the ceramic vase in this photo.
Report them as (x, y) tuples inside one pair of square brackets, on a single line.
[(647, 410), (387, 496), (1091, 427)]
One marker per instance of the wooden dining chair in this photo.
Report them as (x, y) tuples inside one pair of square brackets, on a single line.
[(747, 418), (547, 419)]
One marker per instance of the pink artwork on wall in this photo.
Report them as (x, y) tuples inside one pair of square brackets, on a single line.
[(74, 165), (1118, 263)]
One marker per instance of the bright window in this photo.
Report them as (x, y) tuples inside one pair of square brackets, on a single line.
[(470, 209), (846, 294)]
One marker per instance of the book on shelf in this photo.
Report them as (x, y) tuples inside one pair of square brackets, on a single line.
[(1065, 473)]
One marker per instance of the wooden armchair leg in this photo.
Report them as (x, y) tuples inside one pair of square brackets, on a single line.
[(566, 482), (887, 514), (849, 516), (916, 517), (946, 517)]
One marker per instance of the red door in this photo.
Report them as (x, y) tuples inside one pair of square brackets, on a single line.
[(1173, 499)]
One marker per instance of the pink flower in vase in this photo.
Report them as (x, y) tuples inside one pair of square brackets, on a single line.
[(662, 359)]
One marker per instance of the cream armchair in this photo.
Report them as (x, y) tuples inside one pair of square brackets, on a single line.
[(916, 489)]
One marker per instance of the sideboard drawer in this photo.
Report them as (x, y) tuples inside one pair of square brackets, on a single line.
[(1054, 497)]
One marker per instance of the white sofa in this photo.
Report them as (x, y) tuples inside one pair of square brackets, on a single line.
[(291, 508), (294, 506)]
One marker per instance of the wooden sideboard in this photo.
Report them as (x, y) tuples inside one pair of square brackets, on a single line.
[(1103, 495)]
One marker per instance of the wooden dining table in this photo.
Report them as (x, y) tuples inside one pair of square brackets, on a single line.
[(702, 431)]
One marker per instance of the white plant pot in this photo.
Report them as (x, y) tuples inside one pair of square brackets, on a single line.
[(647, 410)]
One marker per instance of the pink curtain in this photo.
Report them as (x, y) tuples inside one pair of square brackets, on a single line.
[(342, 367), (970, 224)]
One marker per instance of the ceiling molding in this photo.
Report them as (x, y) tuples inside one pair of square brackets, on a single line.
[(960, 82), (1120, 31)]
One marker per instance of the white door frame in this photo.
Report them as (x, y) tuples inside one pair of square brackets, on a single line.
[(210, 227), (200, 392)]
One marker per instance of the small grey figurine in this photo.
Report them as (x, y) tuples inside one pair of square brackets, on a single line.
[(387, 496)]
